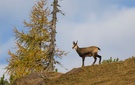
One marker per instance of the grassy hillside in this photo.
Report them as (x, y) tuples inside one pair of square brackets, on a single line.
[(119, 73)]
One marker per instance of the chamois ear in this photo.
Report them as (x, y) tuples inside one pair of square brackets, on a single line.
[(73, 42), (76, 41)]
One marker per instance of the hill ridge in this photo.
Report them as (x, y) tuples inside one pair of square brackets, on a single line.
[(118, 73)]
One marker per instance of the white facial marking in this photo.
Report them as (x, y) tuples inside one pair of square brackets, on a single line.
[(75, 47)]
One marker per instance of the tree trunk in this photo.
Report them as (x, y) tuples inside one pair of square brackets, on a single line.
[(53, 34)]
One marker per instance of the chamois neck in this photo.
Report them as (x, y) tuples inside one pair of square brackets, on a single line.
[(77, 49)]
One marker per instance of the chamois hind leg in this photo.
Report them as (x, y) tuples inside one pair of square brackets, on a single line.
[(83, 59), (95, 59), (99, 58)]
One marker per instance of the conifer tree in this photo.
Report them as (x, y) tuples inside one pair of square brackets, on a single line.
[(53, 34), (33, 45)]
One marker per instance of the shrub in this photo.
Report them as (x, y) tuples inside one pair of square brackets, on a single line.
[(110, 60), (3, 81)]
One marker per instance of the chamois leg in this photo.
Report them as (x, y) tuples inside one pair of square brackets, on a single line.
[(83, 59), (99, 58), (95, 59)]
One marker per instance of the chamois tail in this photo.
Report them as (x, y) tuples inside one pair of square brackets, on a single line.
[(99, 48)]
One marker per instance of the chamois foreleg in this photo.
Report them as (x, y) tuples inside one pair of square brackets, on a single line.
[(83, 59)]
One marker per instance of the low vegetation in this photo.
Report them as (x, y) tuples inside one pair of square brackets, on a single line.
[(111, 60), (3, 81), (116, 73)]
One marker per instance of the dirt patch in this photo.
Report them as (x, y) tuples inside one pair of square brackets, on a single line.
[(75, 71)]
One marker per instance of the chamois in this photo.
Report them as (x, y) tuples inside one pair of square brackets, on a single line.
[(87, 52)]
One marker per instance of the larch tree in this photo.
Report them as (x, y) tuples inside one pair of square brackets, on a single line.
[(36, 46)]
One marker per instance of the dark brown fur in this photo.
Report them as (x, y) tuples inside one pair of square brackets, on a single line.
[(87, 52)]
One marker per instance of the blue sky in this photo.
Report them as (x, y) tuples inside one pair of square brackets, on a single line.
[(108, 24)]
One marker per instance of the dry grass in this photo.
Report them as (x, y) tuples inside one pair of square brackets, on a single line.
[(120, 73)]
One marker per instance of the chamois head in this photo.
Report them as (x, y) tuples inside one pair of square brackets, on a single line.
[(75, 45)]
